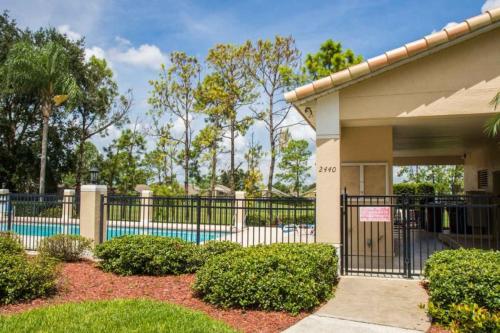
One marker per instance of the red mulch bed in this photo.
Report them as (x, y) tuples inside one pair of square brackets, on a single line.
[(83, 281)]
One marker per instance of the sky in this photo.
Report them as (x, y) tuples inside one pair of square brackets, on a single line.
[(135, 37)]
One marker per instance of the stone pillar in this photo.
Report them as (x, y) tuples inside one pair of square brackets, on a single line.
[(328, 191), (4, 202), (240, 210), (67, 208), (146, 211), (90, 212)]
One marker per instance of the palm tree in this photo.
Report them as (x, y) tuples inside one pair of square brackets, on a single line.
[(44, 72), (492, 126)]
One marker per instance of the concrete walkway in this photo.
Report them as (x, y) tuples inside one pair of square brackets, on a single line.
[(364, 304)]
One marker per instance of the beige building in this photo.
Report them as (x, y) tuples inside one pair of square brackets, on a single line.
[(421, 104)]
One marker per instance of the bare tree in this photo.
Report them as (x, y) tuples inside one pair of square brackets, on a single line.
[(274, 66), (174, 94)]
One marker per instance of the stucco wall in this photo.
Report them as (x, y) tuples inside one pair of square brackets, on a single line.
[(366, 144), (486, 157), (459, 80)]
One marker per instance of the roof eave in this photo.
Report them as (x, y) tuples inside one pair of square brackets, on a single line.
[(307, 99)]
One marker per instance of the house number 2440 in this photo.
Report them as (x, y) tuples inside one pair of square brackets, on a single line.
[(330, 169)]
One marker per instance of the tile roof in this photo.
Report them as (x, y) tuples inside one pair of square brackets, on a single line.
[(392, 56)]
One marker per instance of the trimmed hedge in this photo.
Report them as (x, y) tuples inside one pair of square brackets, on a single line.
[(64, 247), (148, 255), (290, 277), (464, 289), (214, 248), (10, 243), (264, 219), (156, 255), (23, 279), (412, 188)]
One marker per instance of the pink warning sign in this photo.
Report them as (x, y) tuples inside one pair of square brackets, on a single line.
[(375, 214)]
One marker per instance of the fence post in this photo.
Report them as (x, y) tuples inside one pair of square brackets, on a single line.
[(68, 200), (342, 235), (406, 236), (146, 206), (198, 219), (239, 197), (5, 211), (91, 214)]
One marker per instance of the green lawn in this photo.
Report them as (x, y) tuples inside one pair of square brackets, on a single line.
[(112, 316)]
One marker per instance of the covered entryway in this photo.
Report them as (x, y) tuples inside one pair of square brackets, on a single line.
[(394, 235), (424, 103)]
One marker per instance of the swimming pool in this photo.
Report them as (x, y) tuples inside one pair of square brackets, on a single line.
[(50, 229)]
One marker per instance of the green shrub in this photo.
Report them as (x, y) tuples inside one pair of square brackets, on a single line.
[(10, 243), (425, 189), (51, 212), (473, 319), (263, 219), (214, 248), (24, 279), (463, 284), (64, 247), (290, 277), (148, 255), (409, 188)]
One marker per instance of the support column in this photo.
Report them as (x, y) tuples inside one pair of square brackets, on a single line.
[(240, 210), (90, 212), (4, 204), (146, 211), (68, 200), (328, 169), (328, 191)]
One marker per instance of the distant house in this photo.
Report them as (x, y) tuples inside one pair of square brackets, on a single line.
[(220, 190), (275, 193), (309, 193)]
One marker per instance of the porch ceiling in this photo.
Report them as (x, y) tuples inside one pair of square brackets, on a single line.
[(452, 136)]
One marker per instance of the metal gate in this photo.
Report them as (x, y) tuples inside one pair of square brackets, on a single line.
[(394, 235)]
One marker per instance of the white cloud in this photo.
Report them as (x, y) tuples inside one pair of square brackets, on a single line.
[(148, 56), (490, 4), (122, 41), (450, 24), (299, 132), (94, 51), (66, 30)]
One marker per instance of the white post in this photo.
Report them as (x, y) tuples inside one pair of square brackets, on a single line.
[(240, 210), (90, 212), (4, 202), (146, 211), (68, 200)]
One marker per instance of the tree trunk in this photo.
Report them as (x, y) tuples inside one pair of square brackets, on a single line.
[(232, 184), (272, 143), (79, 167), (213, 171), (272, 164), (186, 156), (43, 158)]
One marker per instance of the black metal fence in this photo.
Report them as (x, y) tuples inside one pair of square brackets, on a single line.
[(200, 219), (34, 216), (394, 235)]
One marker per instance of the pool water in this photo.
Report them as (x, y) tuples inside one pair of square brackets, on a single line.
[(189, 236), (50, 229)]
